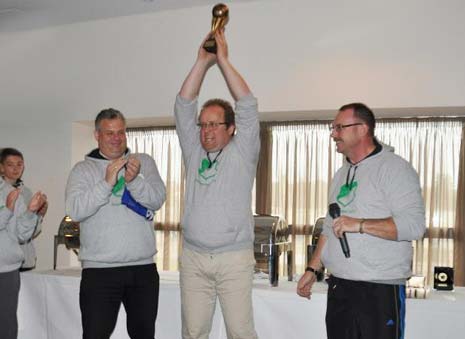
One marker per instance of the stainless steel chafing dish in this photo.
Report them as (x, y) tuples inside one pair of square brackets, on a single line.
[(272, 239), (68, 235)]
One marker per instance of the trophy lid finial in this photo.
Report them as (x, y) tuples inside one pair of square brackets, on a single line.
[(220, 10)]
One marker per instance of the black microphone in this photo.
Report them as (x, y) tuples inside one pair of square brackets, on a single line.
[(335, 212)]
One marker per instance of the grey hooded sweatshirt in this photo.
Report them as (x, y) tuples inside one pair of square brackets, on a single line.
[(380, 186), (217, 211), (111, 234)]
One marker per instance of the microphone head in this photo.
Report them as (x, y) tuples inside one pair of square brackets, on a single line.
[(334, 210)]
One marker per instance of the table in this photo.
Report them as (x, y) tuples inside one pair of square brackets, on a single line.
[(49, 309)]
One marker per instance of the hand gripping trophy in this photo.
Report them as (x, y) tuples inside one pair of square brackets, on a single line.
[(220, 17)]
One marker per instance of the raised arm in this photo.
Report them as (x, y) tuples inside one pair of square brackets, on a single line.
[(236, 84), (191, 86)]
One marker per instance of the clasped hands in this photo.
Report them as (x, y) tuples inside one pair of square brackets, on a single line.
[(38, 203), (132, 169)]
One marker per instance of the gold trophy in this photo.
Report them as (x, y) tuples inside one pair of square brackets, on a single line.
[(220, 17)]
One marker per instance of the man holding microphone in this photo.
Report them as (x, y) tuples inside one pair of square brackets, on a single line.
[(376, 204)]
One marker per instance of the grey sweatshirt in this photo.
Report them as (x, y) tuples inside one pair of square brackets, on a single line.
[(380, 186), (217, 211), (15, 226), (111, 234)]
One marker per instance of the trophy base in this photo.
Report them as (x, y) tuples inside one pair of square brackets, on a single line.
[(210, 46)]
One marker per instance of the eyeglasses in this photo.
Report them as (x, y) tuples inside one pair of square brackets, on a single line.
[(340, 127), (212, 125)]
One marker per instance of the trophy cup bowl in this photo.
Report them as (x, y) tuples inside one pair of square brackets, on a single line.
[(220, 17)]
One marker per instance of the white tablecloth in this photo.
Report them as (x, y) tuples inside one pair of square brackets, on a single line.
[(49, 309)]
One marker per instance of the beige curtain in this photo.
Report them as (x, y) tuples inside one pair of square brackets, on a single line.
[(263, 177), (459, 239), (302, 163), (432, 146), (163, 145)]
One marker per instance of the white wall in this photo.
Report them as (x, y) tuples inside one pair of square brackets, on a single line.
[(296, 55)]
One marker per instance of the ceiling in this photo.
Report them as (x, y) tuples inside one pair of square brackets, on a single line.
[(19, 15)]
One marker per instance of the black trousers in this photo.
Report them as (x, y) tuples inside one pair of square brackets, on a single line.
[(364, 310), (9, 291), (103, 290)]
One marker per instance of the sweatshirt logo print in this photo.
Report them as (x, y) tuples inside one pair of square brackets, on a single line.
[(347, 193), (207, 172)]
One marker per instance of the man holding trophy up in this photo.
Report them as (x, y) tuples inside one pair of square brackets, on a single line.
[(220, 153)]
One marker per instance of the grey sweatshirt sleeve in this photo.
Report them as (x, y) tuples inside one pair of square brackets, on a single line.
[(5, 213), (26, 221), (403, 192), (147, 188), (185, 113), (82, 198), (247, 137), (5, 216), (27, 194)]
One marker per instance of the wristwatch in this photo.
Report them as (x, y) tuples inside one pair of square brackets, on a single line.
[(360, 226), (310, 269)]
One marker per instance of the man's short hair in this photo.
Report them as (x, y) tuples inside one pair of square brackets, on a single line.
[(7, 152), (229, 115), (110, 114), (364, 113)]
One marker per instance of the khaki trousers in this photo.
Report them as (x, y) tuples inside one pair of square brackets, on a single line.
[(203, 278)]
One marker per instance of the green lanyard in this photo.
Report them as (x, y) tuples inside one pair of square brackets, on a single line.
[(119, 187)]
